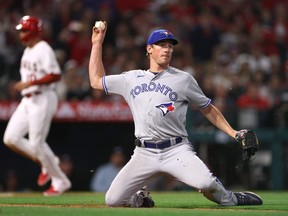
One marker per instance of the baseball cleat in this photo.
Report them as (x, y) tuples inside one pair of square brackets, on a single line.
[(248, 198), (52, 191), (147, 200), (43, 178)]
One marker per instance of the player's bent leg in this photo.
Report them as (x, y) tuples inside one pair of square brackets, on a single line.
[(38, 131), (218, 194), (20, 146), (194, 172), (127, 186), (123, 191), (59, 181), (14, 135), (44, 177)]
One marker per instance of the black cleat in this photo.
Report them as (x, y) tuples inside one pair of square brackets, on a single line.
[(147, 200), (247, 198)]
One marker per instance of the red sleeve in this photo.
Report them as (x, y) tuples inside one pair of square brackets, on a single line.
[(49, 78)]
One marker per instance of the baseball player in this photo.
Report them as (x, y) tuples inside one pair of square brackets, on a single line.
[(39, 71), (158, 98)]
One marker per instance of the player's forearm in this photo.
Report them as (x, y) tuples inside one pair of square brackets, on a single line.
[(218, 120), (96, 67)]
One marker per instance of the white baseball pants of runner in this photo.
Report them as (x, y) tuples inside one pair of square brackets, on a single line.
[(33, 116), (179, 161)]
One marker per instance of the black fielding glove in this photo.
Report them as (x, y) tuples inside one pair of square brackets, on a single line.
[(249, 143)]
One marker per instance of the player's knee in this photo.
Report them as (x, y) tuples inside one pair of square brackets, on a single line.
[(111, 200), (9, 140)]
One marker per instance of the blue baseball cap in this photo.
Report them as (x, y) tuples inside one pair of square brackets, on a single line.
[(160, 35)]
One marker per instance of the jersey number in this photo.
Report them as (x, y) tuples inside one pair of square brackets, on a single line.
[(31, 78)]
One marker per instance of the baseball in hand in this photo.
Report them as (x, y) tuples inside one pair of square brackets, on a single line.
[(100, 25)]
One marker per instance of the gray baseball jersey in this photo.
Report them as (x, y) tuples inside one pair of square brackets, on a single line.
[(158, 102)]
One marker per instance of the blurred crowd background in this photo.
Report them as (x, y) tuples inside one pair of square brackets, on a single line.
[(236, 49)]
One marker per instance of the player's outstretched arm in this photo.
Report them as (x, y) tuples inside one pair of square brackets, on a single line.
[(96, 67), (218, 120)]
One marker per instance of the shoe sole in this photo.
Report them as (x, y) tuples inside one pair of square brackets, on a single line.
[(47, 194), (52, 195)]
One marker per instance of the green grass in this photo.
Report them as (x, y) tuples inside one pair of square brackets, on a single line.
[(167, 203)]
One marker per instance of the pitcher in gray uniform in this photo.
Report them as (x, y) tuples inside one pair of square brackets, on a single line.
[(159, 99)]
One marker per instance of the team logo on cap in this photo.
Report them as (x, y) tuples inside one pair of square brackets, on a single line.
[(167, 33), (166, 108)]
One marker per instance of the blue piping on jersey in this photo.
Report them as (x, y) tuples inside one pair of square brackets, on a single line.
[(206, 105), (104, 85)]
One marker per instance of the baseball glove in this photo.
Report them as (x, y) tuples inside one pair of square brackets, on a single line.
[(249, 143)]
